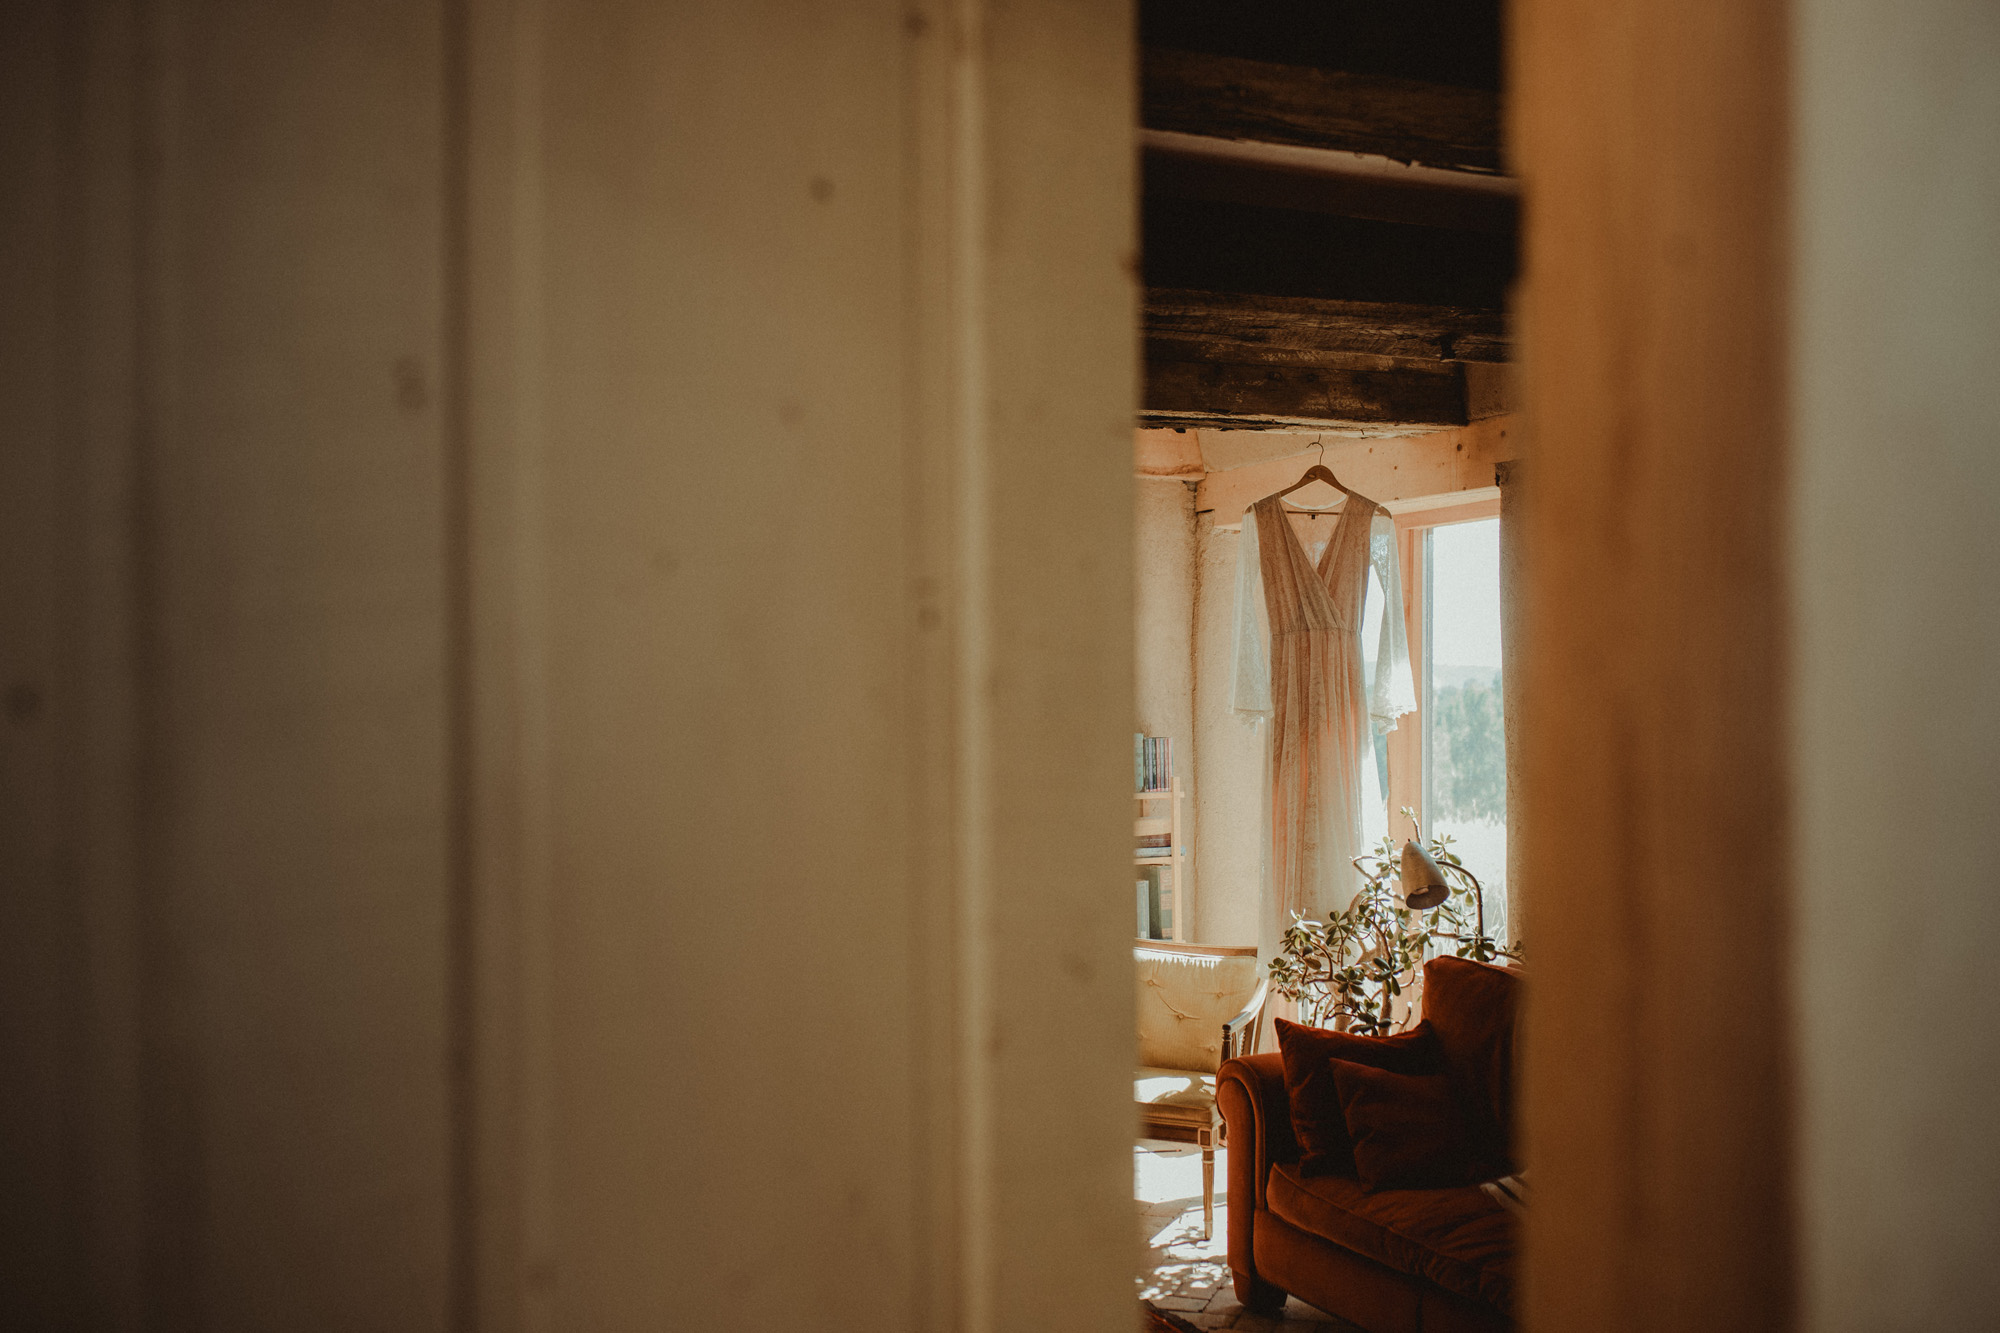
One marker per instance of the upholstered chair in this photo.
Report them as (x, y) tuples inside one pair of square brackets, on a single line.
[(1199, 1004)]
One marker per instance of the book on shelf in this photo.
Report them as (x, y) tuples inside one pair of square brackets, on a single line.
[(1156, 913), (1152, 762)]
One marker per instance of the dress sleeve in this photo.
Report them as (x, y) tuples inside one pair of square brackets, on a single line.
[(1392, 692), (1250, 694)]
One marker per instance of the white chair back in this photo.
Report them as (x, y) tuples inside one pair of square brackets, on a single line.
[(1186, 993)]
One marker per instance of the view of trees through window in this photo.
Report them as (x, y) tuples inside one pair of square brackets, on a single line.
[(1465, 756), (1469, 749)]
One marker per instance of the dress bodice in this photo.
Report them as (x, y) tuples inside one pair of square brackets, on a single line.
[(1303, 595)]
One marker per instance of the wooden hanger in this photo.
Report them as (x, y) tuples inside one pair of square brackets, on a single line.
[(1317, 472)]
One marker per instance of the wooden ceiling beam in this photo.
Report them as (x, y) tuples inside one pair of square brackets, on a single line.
[(1455, 42), (1370, 394), (1288, 283), (1228, 97), (1318, 180), (1265, 318), (1211, 245), (1194, 325)]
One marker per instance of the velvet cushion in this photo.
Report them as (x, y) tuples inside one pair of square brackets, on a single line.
[(1471, 1007), (1319, 1122), (1407, 1129), (1459, 1239)]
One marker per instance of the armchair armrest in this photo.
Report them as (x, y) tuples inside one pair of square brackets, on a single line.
[(1257, 1121), (1239, 1034)]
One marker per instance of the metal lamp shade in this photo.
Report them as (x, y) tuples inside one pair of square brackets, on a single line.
[(1423, 882)]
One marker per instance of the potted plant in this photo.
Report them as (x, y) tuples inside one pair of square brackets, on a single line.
[(1347, 971)]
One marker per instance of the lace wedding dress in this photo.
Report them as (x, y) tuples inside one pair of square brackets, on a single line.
[(1299, 664)]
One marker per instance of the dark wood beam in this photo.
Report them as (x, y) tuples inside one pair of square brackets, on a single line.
[(1287, 288), (1300, 330), (1431, 41), (1369, 393), (1316, 180), (1227, 97), (1208, 245)]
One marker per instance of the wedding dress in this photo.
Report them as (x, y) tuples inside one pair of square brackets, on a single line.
[(1300, 665)]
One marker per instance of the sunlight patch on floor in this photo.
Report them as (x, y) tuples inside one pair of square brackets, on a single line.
[(1182, 1272)]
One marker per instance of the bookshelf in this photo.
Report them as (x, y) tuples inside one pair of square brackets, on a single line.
[(1159, 813)]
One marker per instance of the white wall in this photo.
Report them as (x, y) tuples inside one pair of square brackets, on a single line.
[(1895, 546), (1163, 601), (1233, 761), (1163, 613)]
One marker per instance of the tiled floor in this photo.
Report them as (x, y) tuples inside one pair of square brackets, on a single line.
[(1186, 1274)]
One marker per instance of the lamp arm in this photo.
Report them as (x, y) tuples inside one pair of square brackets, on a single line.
[(1478, 894)]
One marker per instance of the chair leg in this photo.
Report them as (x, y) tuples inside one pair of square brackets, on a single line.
[(1207, 1191)]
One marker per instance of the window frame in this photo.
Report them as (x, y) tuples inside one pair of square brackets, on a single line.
[(1407, 750)]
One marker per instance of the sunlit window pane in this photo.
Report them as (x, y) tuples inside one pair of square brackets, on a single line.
[(1465, 754)]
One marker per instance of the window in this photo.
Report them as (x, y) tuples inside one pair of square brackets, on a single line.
[(1449, 761)]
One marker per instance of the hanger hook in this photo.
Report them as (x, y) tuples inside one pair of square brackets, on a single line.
[(1321, 446)]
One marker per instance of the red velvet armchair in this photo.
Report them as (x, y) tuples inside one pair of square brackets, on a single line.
[(1395, 1260)]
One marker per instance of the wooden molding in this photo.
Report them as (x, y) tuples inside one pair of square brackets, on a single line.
[(1417, 472), (1167, 454), (1464, 507)]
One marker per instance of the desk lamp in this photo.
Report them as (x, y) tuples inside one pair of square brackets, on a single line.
[(1424, 885)]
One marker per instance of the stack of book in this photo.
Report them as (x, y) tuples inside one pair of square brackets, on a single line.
[(1153, 762)]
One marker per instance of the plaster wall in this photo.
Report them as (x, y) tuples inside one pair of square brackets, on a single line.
[(1163, 597), (1232, 759)]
